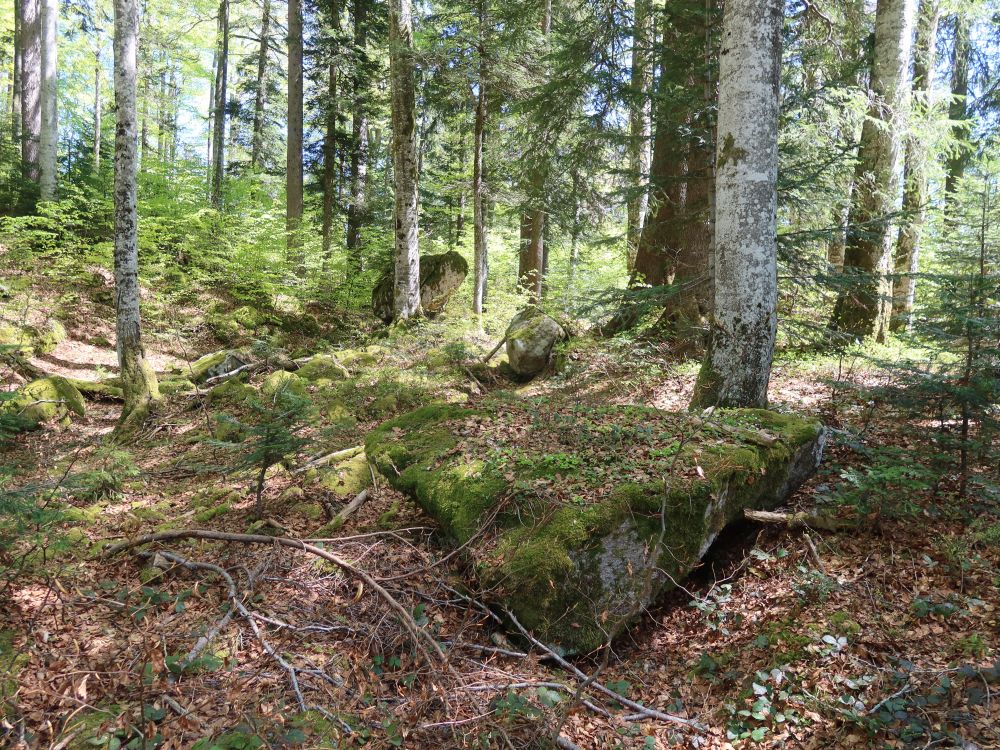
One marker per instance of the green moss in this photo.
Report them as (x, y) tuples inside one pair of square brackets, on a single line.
[(283, 380), (569, 549), (206, 515), (170, 386), (323, 367), (12, 661), (231, 393), (46, 399)]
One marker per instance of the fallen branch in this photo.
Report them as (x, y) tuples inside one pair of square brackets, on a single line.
[(329, 458), (250, 367), (423, 641), (350, 509), (800, 519), (494, 350), (649, 713)]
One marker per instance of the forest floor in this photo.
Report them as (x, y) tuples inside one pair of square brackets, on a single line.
[(881, 635)]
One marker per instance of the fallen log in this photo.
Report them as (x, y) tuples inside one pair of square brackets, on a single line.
[(800, 520)]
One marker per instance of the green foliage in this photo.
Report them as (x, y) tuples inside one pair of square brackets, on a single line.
[(267, 435)]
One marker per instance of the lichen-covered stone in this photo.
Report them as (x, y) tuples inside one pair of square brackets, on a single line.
[(531, 336), (47, 399), (582, 538), (440, 276)]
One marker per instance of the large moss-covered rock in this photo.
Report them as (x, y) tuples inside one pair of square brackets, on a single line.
[(531, 337), (46, 399), (215, 364), (589, 514), (323, 367), (440, 276)]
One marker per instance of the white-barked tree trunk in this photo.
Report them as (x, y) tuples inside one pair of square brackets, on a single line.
[(737, 366), (48, 141), (137, 376), (406, 299)]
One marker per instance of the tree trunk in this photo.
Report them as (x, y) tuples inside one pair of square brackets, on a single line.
[(293, 157), (31, 101), (406, 300), (15, 101), (531, 261), (97, 112), (864, 305), (219, 105), (357, 210), (958, 110), (737, 367), (330, 138), (260, 99), (139, 384), (480, 252), (915, 195), (640, 124)]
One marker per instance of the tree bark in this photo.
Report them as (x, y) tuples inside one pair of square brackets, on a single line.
[(406, 300), (865, 303), (357, 210), (915, 196), (737, 366), (293, 158), (958, 110), (97, 112), (330, 138), (480, 251), (31, 79), (138, 380), (219, 106), (260, 96), (640, 124), (531, 260), (15, 100)]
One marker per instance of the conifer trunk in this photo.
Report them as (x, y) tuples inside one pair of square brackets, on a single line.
[(15, 98), (330, 138), (406, 300), (219, 106), (640, 123), (139, 384), (260, 95), (864, 305), (357, 209), (915, 195), (531, 260), (293, 160), (737, 366), (480, 252), (958, 109), (97, 112)]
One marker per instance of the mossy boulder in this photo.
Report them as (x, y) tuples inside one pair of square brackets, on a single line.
[(282, 380), (440, 276), (46, 399), (215, 364), (577, 519), (531, 337), (323, 367)]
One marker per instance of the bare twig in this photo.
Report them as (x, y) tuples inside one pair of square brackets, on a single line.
[(650, 713), (423, 641), (494, 350)]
